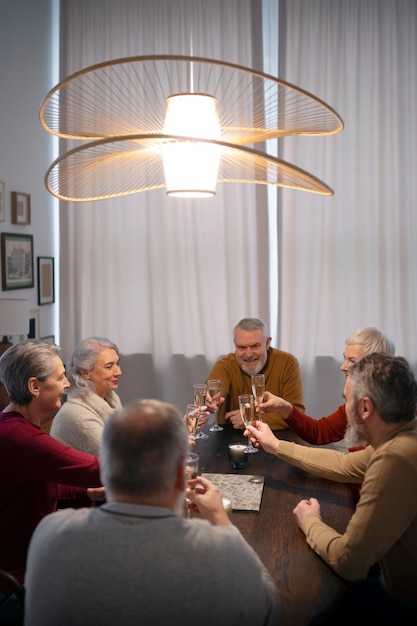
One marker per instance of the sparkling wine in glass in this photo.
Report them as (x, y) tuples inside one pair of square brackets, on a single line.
[(200, 393), (258, 390), (247, 412), (191, 471), (213, 392), (191, 418)]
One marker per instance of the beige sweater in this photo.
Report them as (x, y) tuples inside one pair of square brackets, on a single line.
[(80, 421), (383, 527)]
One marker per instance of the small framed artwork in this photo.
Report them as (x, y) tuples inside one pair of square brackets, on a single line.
[(46, 280), (2, 203), (16, 261), (33, 324), (20, 208), (49, 339)]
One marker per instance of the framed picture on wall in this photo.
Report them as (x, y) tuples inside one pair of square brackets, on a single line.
[(2, 203), (16, 261), (46, 288), (33, 324), (20, 208)]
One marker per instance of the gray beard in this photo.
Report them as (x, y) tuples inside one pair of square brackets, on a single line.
[(250, 373), (353, 438)]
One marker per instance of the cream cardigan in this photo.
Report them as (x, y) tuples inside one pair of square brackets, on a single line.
[(79, 423)]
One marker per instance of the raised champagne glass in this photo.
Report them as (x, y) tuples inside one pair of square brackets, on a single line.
[(247, 412), (191, 418), (213, 392), (258, 390), (200, 393), (191, 471)]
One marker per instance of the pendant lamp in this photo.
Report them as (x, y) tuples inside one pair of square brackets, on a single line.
[(179, 123)]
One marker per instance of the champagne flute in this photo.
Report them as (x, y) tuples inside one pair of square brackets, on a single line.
[(213, 391), (191, 418), (247, 412), (191, 471), (200, 392), (258, 390)]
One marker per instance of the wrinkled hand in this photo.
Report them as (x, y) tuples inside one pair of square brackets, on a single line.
[(275, 404), (207, 499), (304, 508), (261, 435), (204, 416), (97, 494), (235, 419), (203, 419), (213, 405)]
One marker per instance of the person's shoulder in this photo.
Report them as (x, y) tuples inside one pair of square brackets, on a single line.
[(282, 355), (402, 441), (16, 427), (59, 527), (73, 405), (71, 409), (62, 519)]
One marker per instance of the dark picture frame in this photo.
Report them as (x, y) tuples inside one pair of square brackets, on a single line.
[(16, 261), (33, 324), (20, 208), (46, 280)]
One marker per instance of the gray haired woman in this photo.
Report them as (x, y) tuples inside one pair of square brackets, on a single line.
[(35, 470), (93, 372)]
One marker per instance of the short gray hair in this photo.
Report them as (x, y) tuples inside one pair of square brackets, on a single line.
[(22, 361), (372, 340), (85, 357), (249, 324), (142, 446), (389, 382)]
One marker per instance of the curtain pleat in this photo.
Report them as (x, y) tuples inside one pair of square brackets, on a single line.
[(164, 278), (349, 261)]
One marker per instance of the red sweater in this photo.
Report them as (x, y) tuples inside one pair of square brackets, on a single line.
[(319, 432), (322, 431), (35, 471)]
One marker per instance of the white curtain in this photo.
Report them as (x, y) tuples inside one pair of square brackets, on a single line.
[(350, 260), (167, 279), (164, 278)]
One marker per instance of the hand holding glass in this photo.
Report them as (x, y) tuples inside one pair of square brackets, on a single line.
[(258, 390), (247, 412), (213, 392), (191, 418), (191, 471), (200, 392)]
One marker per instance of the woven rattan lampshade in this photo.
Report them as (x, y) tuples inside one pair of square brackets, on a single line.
[(114, 113)]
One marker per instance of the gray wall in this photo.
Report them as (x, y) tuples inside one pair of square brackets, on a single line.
[(26, 62)]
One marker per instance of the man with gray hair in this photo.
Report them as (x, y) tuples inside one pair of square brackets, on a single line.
[(381, 401), (136, 559), (254, 355)]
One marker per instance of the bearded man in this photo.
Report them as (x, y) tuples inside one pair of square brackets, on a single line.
[(381, 401), (254, 355)]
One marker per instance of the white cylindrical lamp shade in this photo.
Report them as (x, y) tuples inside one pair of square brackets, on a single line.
[(191, 167)]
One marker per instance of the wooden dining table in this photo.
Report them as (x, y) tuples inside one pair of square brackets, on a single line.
[(306, 584)]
